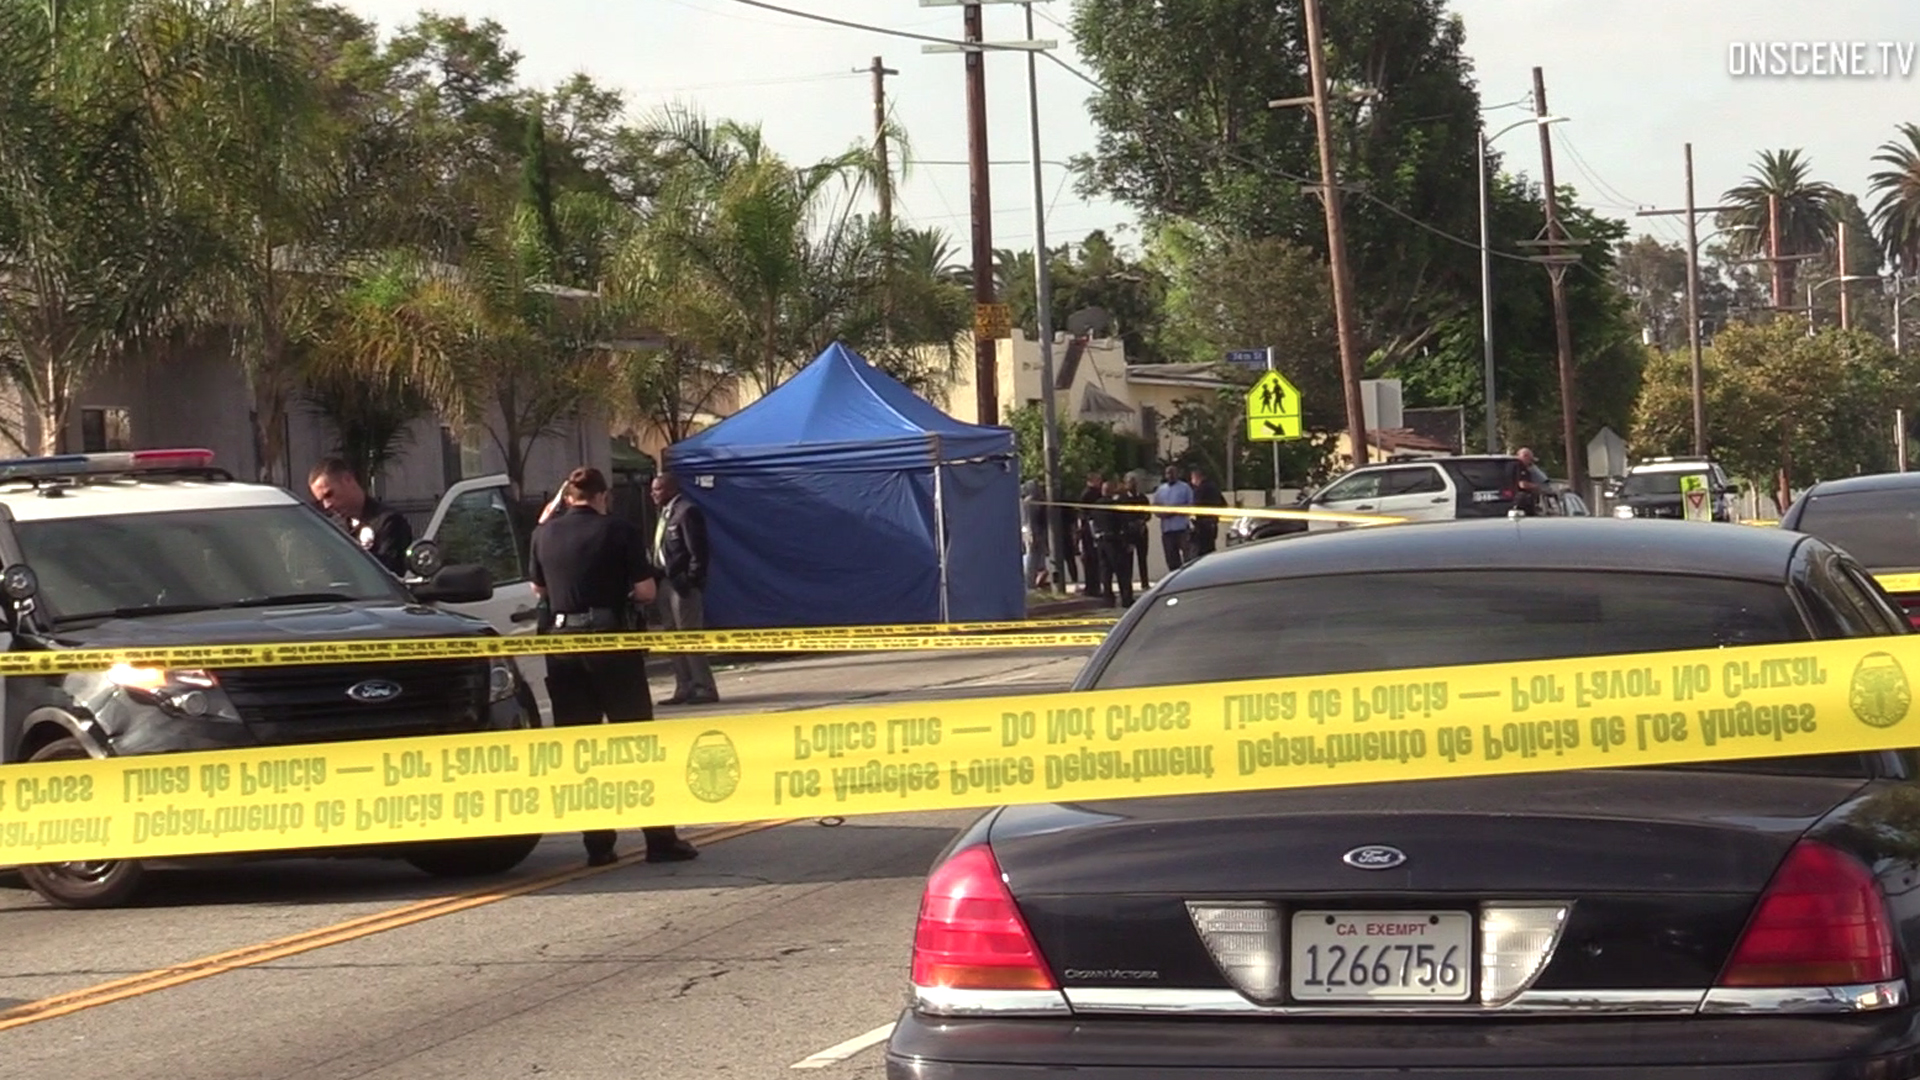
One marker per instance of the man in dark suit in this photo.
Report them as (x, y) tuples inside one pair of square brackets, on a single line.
[(1206, 528), (680, 549)]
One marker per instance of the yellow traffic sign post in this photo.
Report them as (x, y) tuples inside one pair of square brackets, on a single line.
[(1273, 410), (1693, 498)]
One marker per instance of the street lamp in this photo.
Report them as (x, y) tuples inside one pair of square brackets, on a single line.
[(1486, 270), (1841, 280)]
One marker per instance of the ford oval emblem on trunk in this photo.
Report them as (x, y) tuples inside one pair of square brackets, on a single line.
[(373, 690), (1374, 857)]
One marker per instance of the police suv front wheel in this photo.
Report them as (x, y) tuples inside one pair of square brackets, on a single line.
[(98, 884)]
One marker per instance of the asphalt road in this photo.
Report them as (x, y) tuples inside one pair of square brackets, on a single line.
[(778, 943)]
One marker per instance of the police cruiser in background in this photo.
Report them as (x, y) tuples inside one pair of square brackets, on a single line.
[(157, 548), (1652, 489)]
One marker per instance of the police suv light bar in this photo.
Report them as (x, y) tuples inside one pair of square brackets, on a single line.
[(126, 461)]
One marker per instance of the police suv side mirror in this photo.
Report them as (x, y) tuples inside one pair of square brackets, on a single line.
[(18, 586), (19, 583), (456, 585), (424, 558)]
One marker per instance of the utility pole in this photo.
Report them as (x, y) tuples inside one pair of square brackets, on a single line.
[(1557, 274), (880, 71), (1486, 297), (986, 350), (1840, 247), (1773, 251), (1336, 240), (1043, 296), (1693, 213)]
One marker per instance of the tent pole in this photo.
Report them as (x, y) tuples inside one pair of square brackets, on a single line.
[(940, 530)]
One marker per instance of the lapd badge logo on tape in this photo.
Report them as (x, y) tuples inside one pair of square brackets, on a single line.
[(713, 767), (1879, 692)]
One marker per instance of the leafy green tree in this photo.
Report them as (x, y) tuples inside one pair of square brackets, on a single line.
[(1085, 446), (1211, 424), (1653, 275), (1783, 408), (1185, 132), (764, 232), (103, 230)]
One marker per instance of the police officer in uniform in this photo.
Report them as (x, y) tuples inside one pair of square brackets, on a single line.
[(384, 533), (1114, 531), (593, 571)]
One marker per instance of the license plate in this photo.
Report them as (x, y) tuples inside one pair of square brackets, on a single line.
[(1382, 956), (1486, 496)]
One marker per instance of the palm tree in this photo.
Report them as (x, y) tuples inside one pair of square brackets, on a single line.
[(761, 230), (101, 232), (1806, 220), (267, 166), (1896, 216), (930, 253)]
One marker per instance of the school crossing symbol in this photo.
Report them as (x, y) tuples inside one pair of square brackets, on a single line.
[(1273, 409)]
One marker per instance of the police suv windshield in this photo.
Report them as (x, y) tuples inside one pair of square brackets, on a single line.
[(129, 565), (1655, 483)]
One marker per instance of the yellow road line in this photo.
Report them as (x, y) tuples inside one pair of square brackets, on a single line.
[(337, 933)]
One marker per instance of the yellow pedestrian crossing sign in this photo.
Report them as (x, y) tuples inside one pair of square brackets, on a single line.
[(1273, 409)]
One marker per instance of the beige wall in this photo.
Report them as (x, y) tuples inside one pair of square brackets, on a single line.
[(1103, 364), (197, 397)]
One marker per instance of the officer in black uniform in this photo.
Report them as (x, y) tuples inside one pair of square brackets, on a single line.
[(593, 570), (1113, 531), (384, 533)]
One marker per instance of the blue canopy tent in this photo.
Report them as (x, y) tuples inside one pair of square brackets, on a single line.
[(842, 498)]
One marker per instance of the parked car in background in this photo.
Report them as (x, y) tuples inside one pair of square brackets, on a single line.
[(1875, 519), (1652, 489), (1456, 488)]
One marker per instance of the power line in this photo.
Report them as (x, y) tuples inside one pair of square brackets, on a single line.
[(1097, 85), (868, 27), (1285, 175)]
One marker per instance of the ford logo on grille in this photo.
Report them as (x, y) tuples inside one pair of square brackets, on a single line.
[(1374, 857), (373, 690)]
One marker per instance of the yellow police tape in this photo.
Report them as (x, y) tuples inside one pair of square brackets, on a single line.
[(1264, 513), (1502, 719), (284, 654), (1899, 583)]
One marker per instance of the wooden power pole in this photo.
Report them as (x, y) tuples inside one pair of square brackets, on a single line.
[(1557, 265), (1693, 213), (1336, 241), (880, 71), (986, 350)]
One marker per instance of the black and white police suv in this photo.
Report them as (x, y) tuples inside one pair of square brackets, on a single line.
[(157, 547)]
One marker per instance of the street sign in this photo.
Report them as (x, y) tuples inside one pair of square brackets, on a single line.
[(992, 322), (1693, 498), (1253, 358), (1273, 409)]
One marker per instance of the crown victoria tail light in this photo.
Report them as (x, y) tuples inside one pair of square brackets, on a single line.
[(970, 934), (1820, 922)]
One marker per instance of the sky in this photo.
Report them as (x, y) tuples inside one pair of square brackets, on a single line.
[(1637, 80)]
